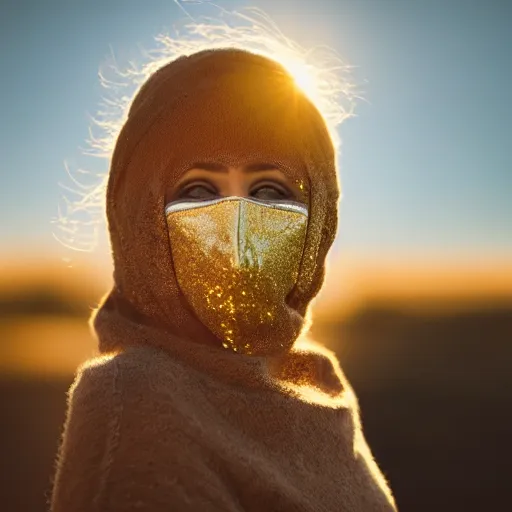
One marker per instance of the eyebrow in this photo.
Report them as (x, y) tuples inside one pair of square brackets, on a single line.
[(212, 166)]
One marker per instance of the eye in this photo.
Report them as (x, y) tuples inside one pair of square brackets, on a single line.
[(198, 192), (271, 192)]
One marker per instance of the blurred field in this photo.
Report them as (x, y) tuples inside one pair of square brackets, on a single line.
[(432, 371)]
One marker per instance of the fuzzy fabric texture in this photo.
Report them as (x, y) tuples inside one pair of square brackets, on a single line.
[(167, 419), (210, 430), (228, 107)]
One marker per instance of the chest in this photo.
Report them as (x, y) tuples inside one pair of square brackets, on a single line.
[(270, 451)]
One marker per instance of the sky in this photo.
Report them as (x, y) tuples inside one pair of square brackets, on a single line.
[(426, 165)]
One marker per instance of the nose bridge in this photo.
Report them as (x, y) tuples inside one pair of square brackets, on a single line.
[(237, 239), (244, 247), (248, 248), (236, 185)]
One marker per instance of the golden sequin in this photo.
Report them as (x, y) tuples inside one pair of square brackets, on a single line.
[(236, 260)]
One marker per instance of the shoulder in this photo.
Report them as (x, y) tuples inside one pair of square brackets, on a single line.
[(114, 417), (136, 361), (135, 367), (125, 388), (133, 382)]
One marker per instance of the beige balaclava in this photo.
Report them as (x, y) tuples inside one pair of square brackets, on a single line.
[(230, 107), (173, 420)]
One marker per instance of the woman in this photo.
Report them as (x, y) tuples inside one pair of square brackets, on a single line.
[(222, 205)]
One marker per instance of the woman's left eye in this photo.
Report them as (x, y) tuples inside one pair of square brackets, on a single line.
[(270, 193)]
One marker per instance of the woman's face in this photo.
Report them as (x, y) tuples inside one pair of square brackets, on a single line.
[(206, 181), (236, 260)]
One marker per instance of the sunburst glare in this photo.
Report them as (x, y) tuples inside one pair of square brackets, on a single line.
[(319, 72)]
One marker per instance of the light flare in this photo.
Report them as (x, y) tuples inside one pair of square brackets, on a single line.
[(319, 72)]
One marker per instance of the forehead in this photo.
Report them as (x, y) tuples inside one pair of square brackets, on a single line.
[(230, 123)]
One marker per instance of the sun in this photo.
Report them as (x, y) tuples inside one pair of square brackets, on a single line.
[(304, 77), (318, 72)]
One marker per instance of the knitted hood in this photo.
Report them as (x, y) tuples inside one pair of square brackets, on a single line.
[(173, 421), (226, 106)]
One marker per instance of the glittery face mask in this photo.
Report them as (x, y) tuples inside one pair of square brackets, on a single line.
[(236, 260)]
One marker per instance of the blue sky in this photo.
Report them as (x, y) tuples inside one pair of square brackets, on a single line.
[(426, 165)]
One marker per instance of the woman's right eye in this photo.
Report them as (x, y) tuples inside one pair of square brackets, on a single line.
[(199, 192)]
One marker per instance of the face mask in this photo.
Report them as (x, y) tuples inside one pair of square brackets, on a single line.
[(236, 260)]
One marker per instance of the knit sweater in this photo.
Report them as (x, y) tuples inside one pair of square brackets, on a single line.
[(150, 430), (169, 420)]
